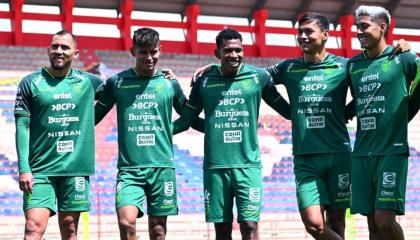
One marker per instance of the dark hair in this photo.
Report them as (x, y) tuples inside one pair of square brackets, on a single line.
[(145, 37), (65, 32), (227, 34), (320, 19)]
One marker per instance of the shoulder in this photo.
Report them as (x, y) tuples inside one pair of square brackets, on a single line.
[(32, 77)]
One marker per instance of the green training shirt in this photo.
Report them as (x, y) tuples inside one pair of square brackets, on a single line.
[(144, 115), (317, 94), (231, 107), (61, 141), (380, 87)]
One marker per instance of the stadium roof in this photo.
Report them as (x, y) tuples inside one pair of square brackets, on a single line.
[(404, 11)]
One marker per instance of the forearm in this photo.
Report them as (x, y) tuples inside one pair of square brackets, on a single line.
[(188, 116), (350, 111), (100, 112), (22, 143), (198, 124), (281, 106)]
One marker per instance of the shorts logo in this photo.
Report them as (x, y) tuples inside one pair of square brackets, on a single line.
[(389, 179), (343, 180), (232, 136), (145, 139), (254, 195), (119, 186), (169, 188), (315, 122), (206, 196), (79, 184), (65, 146), (368, 123)]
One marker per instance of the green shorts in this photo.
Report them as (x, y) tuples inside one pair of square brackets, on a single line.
[(323, 179), (156, 185), (222, 185), (379, 182), (66, 194)]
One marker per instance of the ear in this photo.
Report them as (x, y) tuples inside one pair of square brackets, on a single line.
[(217, 53), (326, 35), (76, 53), (383, 27), (132, 51)]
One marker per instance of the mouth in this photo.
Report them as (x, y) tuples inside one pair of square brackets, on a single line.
[(234, 63)]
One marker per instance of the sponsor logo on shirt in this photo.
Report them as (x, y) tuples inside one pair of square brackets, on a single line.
[(64, 120), (168, 188), (62, 96), (145, 96), (313, 78), (368, 123), (231, 101), (315, 122), (232, 125), (65, 146), (146, 139), (370, 77), (79, 184), (145, 117), (63, 106), (232, 136), (313, 87), (145, 105), (232, 92), (343, 180), (64, 133), (389, 179), (254, 194)]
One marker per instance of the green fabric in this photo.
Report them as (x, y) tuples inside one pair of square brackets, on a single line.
[(317, 94), (414, 100), (61, 140), (380, 89), (22, 142), (323, 179), (379, 182), (144, 116), (155, 185), (231, 107), (62, 194), (224, 186)]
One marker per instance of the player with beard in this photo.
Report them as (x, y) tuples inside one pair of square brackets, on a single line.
[(55, 140), (380, 84), (230, 95)]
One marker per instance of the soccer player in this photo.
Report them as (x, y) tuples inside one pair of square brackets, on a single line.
[(317, 92), (146, 169), (55, 140), (380, 85), (230, 95)]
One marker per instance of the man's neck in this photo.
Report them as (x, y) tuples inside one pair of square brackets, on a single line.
[(376, 51), (317, 57), (55, 73), (229, 72), (144, 73)]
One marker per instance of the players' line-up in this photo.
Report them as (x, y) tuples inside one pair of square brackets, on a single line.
[(55, 121)]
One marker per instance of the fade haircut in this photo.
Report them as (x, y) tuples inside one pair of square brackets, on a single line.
[(65, 32), (227, 34), (321, 20), (378, 14), (146, 37)]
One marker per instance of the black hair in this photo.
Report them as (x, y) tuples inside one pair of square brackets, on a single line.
[(321, 20), (65, 32), (145, 37), (227, 34)]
